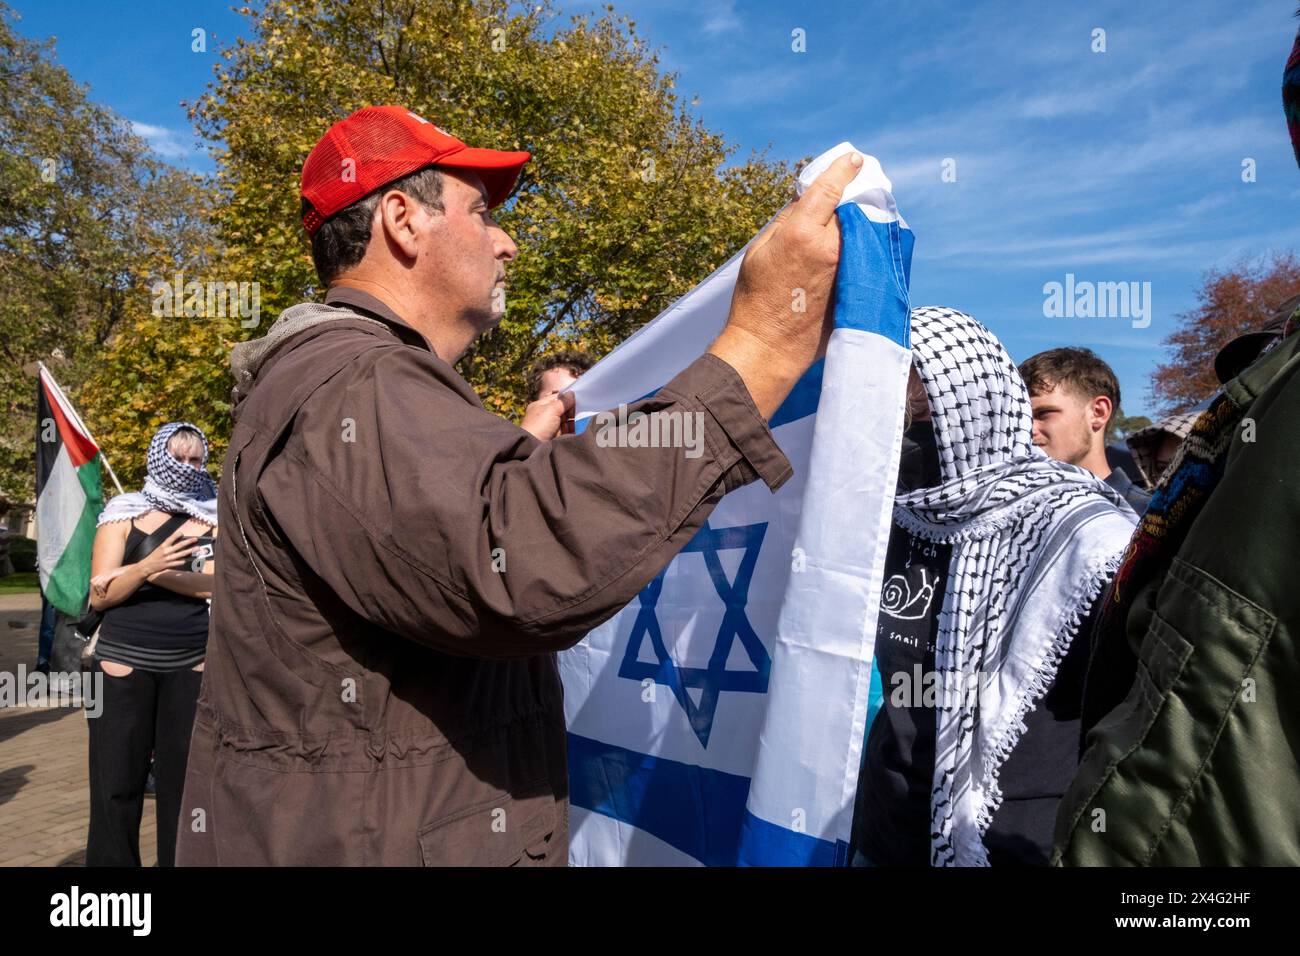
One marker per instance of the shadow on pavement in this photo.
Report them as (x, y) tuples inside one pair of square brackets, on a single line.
[(12, 780), (14, 724)]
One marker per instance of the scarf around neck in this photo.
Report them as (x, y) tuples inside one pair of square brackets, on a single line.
[(1034, 542), (169, 485)]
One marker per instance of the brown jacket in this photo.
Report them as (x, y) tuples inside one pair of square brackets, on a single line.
[(399, 568)]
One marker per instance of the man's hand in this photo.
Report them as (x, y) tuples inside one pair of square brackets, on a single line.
[(543, 417), (790, 265)]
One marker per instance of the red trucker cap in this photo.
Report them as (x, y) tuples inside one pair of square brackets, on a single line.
[(378, 144)]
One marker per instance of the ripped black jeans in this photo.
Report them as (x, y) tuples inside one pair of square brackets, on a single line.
[(142, 712)]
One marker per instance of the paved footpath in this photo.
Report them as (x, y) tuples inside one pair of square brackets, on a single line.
[(44, 794)]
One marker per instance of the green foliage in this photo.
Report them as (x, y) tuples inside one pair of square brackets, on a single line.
[(22, 582), (627, 203), (1121, 425), (22, 553), (87, 210), (161, 368)]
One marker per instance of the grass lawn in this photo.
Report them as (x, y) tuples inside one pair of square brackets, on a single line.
[(24, 582)]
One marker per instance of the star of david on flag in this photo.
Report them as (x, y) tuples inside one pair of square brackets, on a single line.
[(714, 678), (762, 629)]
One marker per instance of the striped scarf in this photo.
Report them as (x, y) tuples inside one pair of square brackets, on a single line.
[(169, 485), (1034, 543)]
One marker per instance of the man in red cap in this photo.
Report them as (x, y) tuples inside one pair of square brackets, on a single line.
[(403, 565)]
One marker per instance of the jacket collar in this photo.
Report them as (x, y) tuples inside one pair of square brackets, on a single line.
[(1119, 480), (365, 302), (1252, 381)]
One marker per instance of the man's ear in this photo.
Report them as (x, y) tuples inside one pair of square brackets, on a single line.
[(397, 217), (1101, 412)]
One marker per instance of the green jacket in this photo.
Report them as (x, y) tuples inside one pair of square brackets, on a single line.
[(1198, 765)]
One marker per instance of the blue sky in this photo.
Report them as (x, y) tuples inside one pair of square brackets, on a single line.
[(1122, 166)]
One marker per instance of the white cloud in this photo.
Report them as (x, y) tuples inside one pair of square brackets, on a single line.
[(167, 143), (722, 18)]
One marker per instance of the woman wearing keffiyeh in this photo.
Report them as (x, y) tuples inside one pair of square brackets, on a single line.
[(996, 558), (151, 579), (171, 484)]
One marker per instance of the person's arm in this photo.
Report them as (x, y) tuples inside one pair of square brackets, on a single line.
[(457, 529), (765, 340), (452, 527), (195, 584), (1112, 662), (112, 582)]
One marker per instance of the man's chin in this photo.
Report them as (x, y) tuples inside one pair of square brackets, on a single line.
[(488, 319)]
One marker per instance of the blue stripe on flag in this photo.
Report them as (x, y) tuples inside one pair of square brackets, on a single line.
[(803, 398), (768, 844), (696, 810), (872, 281)]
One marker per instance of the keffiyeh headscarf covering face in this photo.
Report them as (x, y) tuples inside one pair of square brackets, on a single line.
[(1034, 541), (170, 480), (170, 484)]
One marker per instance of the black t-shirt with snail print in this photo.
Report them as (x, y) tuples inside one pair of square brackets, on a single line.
[(892, 817)]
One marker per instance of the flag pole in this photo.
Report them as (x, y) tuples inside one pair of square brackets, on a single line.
[(112, 474), (103, 457)]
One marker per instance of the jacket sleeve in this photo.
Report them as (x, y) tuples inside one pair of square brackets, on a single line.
[(437, 520)]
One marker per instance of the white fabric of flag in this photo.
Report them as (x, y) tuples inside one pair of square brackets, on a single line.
[(719, 719), (69, 497)]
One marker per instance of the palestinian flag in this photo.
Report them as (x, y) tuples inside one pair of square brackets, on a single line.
[(69, 498)]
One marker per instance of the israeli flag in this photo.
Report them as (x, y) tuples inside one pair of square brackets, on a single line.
[(719, 718)]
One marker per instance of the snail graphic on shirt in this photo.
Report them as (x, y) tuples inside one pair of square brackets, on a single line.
[(898, 601)]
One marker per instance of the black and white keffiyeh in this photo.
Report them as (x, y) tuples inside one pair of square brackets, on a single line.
[(1034, 543), (170, 485)]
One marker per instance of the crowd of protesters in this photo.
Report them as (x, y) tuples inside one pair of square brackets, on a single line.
[(374, 681)]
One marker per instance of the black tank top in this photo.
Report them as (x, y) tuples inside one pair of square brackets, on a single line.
[(155, 619)]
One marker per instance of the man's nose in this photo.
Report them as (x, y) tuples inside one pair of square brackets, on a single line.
[(506, 248)]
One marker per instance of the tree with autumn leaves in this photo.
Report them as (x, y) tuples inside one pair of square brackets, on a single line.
[(87, 214), (627, 204), (1230, 302)]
